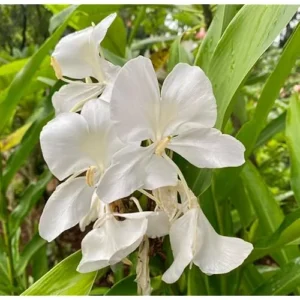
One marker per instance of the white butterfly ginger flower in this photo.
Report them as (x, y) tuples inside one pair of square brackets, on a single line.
[(77, 56), (111, 240), (179, 118), (72, 144), (194, 240)]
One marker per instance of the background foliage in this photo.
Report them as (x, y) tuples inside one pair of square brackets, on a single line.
[(252, 56)]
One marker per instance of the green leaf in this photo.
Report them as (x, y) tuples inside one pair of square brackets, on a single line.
[(293, 141), (267, 210), (249, 133), (128, 287), (125, 287), (242, 203), (246, 38), (14, 138), (9, 69), (177, 55), (39, 263), (137, 22), (287, 233), (196, 284), (250, 280), (59, 18), (30, 249), (115, 39), (19, 85), (198, 180), (28, 200), (275, 126), (63, 279), (223, 16), (113, 58), (99, 291), (4, 275), (152, 40), (30, 139), (283, 282)]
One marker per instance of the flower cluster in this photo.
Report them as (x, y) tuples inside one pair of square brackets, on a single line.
[(113, 135)]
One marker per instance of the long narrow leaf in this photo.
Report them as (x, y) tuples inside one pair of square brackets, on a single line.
[(293, 142), (30, 197), (63, 279), (32, 247), (30, 139), (223, 16), (18, 86), (267, 210), (249, 133), (245, 39), (283, 282)]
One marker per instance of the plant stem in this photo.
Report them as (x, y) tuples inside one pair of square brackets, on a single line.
[(10, 262)]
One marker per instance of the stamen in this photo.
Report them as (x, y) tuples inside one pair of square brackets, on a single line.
[(126, 261), (90, 174), (156, 200), (162, 145), (55, 65), (137, 203)]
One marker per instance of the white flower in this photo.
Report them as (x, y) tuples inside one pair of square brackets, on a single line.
[(114, 240), (194, 240), (72, 144), (179, 118), (77, 56)]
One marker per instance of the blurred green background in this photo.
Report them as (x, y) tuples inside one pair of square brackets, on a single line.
[(151, 31)]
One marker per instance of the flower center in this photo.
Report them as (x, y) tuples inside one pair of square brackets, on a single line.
[(162, 145), (90, 175)]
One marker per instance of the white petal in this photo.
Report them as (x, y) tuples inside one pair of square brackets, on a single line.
[(168, 199), (111, 243), (96, 211), (158, 225), (135, 92), (126, 175), (187, 100), (160, 173), (218, 254), (102, 142), (72, 94), (62, 141), (111, 71), (129, 236), (69, 203), (96, 114), (209, 148), (182, 234), (158, 222), (100, 29), (78, 53)]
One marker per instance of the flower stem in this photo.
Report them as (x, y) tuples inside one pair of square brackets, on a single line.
[(181, 177)]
